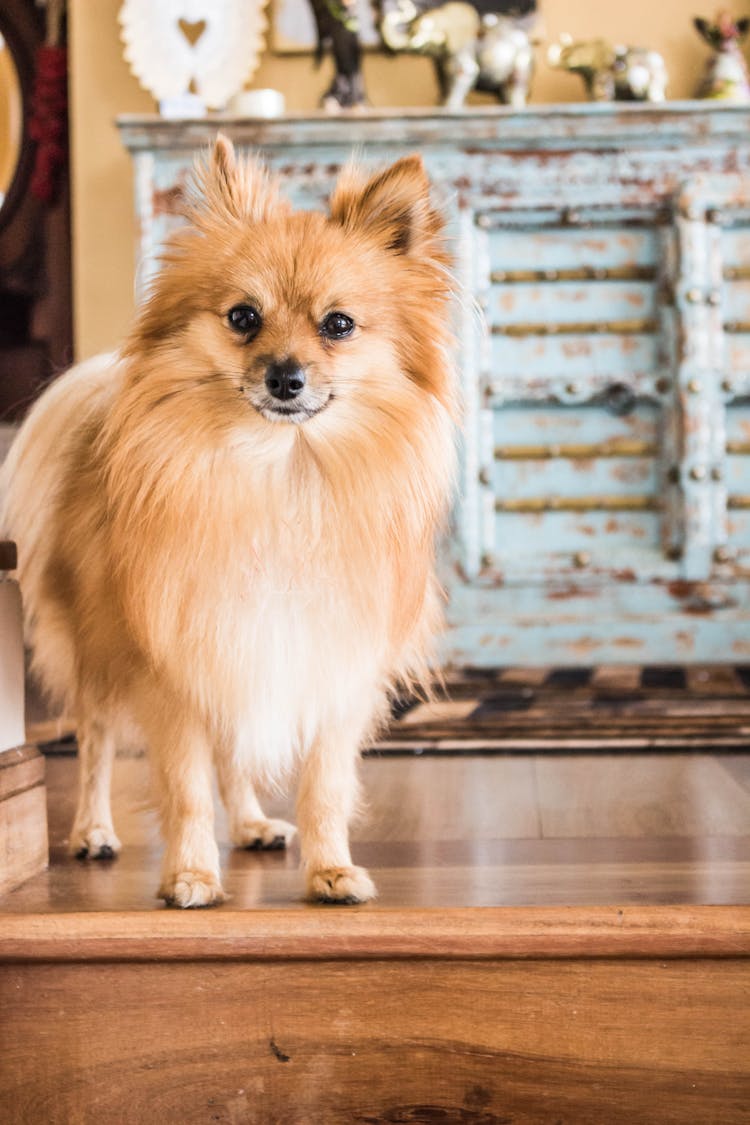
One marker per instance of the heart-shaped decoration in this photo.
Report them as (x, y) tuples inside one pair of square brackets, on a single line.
[(209, 47), (192, 30)]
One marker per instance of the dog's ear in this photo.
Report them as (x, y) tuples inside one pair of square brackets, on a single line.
[(394, 206), (225, 187)]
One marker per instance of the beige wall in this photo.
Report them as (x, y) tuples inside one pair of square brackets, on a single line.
[(102, 87)]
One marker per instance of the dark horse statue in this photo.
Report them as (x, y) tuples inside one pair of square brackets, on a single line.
[(338, 31)]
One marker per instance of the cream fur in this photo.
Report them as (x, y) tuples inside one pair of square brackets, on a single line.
[(246, 591)]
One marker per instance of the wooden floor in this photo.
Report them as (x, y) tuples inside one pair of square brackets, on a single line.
[(459, 831), (558, 939)]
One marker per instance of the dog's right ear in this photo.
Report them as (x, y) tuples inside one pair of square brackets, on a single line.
[(225, 187)]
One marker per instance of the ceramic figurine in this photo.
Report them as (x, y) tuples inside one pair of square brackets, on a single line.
[(492, 52), (612, 73), (726, 74)]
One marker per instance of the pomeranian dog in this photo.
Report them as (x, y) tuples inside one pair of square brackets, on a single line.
[(226, 530)]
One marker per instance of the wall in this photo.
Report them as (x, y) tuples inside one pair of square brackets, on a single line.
[(102, 87)]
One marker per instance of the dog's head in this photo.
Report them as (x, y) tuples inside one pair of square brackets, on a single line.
[(300, 317)]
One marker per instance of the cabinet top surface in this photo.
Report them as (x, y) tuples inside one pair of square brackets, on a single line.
[(575, 125)]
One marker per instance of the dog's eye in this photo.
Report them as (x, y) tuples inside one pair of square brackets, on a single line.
[(244, 320), (337, 325)]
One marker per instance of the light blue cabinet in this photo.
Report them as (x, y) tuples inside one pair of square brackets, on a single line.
[(604, 344)]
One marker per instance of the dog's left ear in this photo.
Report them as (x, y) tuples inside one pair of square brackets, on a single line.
[(394, 206)]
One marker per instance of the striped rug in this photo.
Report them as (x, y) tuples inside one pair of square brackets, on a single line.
[(608, 707)]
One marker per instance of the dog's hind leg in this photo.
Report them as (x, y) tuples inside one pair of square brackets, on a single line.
[(249, 827), (93, 835)]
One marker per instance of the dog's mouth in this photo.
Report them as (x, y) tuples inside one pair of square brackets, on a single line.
[(295, 412)]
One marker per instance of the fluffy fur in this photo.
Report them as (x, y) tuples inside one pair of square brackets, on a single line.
[(243, 585)]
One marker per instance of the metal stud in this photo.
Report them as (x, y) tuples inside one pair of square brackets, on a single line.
[(724, 554), (673, 474), (674, 553), (663, 385), (727, 386), (714, 215), (484, 476), (487, 559), (694, 296), (717, 473), (698, 472), (581, 558), (484, 222), (695, 386), (572, 388), (714, 298)]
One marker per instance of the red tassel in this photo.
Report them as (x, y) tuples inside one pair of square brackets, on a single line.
[(48, 125)]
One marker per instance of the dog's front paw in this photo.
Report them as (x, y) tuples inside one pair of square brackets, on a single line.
[(343, 885), (266, 835), (190, 889), (96, 841)]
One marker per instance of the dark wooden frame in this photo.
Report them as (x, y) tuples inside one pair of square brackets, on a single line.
[(35, 252)]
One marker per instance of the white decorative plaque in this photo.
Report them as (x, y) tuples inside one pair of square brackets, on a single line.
[(209, 48)]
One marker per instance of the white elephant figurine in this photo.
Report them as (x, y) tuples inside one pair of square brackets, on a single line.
[(493, 52)]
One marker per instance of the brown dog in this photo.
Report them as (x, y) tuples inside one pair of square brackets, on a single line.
[(226, 530)]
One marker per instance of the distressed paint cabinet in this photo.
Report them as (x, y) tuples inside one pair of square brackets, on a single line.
[(604, 346)]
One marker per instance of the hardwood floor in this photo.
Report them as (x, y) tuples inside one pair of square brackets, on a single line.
[(559, 939), (460, 832)]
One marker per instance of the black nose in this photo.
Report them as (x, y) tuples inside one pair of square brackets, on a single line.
[(285, 379)]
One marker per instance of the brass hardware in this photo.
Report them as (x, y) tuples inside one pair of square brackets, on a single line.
[(695, 386), (717, 473), (724, 554), (740, 447), (737, 273), (674, 553), (640, 326), (737, 326), (487, 559), (691, 211), (581, 558), (673, 475), (484, 222), (714, 215), (582, 273), (694, 296), (574, 451), (714, 298), (738, 502), (663, 385), (581, 504), (570, 217), (728, 386), (484, 476), (698, 472)]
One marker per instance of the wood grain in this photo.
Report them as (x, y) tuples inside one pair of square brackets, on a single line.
[(23, 817), (322, 933), (370, 1042)]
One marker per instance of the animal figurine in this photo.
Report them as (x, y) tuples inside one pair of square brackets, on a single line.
[(490, 52), (612, 73), (338, 30), (726, 75)]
